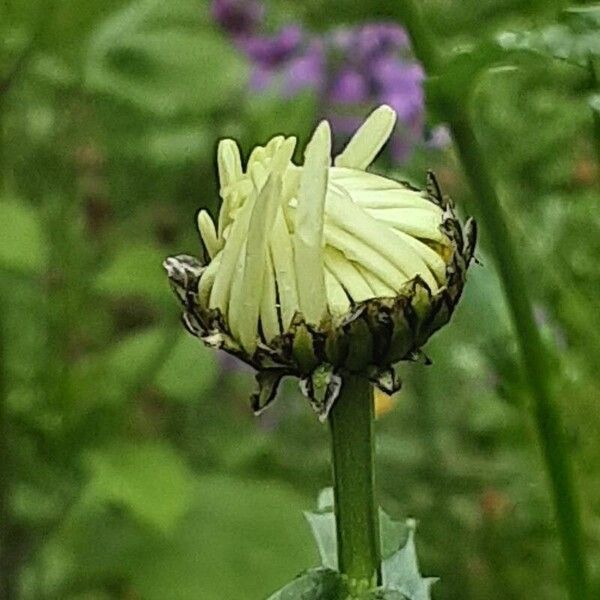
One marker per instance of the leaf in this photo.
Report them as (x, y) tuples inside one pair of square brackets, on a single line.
[(317, 584), (393, 534), (322, 525), (135, 270), (556, 41), (237, 539), (401, 577), (149, 480), (160, 58), (583, 18), (189, 371), (401, 571), (383, 594), (139, 356), (22, 246)]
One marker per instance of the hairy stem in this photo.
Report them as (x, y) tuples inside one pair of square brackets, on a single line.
[(357, 523), (535, 361)]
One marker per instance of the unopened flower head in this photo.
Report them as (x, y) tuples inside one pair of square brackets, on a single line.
[(319, 269)]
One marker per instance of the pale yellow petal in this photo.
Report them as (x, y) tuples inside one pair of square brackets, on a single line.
[(282, 254), (342, 212), (220, 294), (357, 251), (261, 224), (208, 233), (368, 140), (269, 318), (347, 274), (308, 235), (378, 287), (337, 299)]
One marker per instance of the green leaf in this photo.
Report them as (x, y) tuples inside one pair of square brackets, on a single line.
[(135, 270), (322, 525), (317, 584), (238, 539), (401, 571), (383, 594), (22, 246), (556, 41), (150, 480), (162, 59), (178, 364), (190, 370), (583, 18), (401, 577), (138, 357), (393, 534)]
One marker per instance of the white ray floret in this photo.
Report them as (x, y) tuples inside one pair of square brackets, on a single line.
[(308, 234), (368, 140)]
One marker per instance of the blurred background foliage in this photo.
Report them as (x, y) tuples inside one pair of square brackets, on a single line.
[(130, 465)]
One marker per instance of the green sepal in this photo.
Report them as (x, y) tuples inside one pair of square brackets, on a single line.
[(316, 584), (322, 387), (303, 348), (360, 348), (387, 379), (268, 382)]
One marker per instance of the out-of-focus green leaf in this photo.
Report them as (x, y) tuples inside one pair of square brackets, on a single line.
[(136, 270), (557, 41), (235, 527), (161, 58), (271, 114), (150, 480), (583, 18), (174, 361), (22, 246), (139, 354), (237, 539), (189, 372), (317, 584)]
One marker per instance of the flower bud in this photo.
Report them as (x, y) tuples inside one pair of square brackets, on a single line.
[(320, 269)]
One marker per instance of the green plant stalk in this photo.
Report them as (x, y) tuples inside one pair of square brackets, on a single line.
[(595, 88), (7, 570), (547, 414), (357, 520)]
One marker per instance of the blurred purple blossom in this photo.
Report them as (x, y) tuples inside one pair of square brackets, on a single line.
[(275, 51), (238, 17), (351, 70)]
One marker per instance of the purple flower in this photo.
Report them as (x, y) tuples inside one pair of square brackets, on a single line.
[(349, 69), (238, 17), (273, 51), (306, 70), (349, 87), (377, 38)]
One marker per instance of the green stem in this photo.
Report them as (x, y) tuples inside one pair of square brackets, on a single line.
[(547, 414), (595, 88), (357, 522), (7, 567)]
